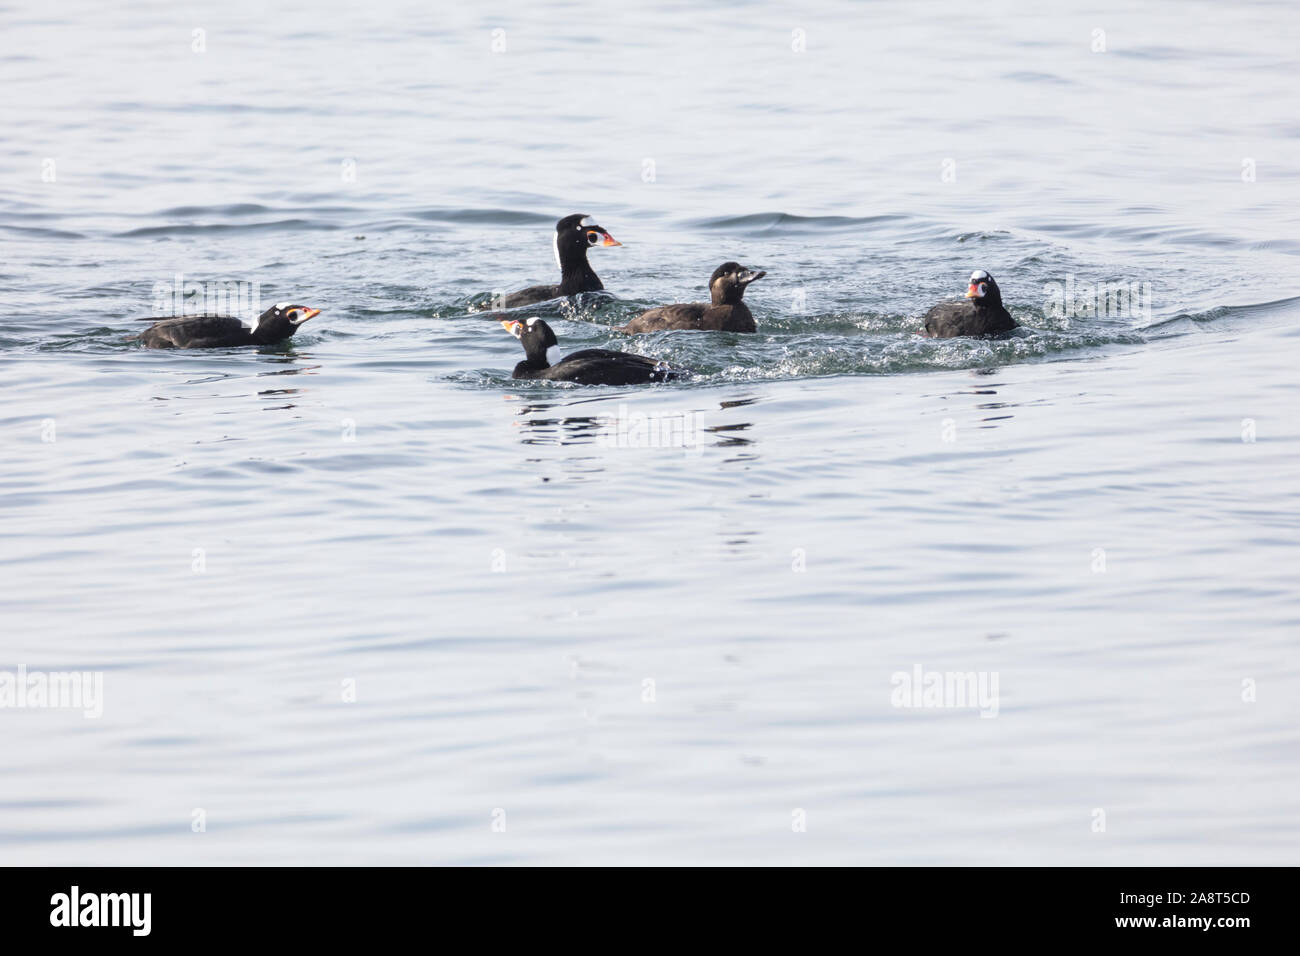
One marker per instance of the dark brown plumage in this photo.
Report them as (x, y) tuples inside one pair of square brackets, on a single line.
[(726, 312), (587, 367), (223, 331)]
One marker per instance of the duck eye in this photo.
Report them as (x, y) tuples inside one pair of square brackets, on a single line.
[(593, 238)]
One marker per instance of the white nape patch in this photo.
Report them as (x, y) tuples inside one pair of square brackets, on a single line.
[(531, 322), (979, 275), (555, 247)]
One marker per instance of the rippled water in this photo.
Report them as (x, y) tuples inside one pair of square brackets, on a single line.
[(360, 597)]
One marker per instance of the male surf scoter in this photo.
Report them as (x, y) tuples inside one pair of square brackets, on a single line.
[(981, 314), (223, 331), (588, 367), (573, 237), (725, 313)]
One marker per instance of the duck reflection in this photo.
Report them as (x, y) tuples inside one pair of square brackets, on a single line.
[(293, 369), (629, 425), (270, 394), (727, 439), (985, 390)]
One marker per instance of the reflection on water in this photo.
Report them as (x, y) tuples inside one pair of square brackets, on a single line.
[(631, 427), (296, 370), (728, 439), (578, 430), (991, 390)]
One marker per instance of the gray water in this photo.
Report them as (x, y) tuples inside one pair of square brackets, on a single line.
[(364, 599)]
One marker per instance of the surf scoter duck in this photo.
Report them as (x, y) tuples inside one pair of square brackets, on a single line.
[(573, 237), (588, 367), (223, 331), (725, 313), (981, 314)]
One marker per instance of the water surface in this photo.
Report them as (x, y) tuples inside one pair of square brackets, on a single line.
[(360, 596)]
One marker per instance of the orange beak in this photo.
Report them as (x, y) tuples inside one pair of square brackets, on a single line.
[(607, 240), (309, 314), (510, 325), (973, 292)]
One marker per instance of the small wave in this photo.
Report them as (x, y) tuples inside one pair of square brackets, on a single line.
[(1223, 316), (188, 107), (229, 209), (41, 232), (499, 217), (783, 223), (1145, 235), (197, 229), (1035, 77)]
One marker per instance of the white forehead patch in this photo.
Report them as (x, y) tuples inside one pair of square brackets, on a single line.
[(979, 275), (283, 305), (531, 322)]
